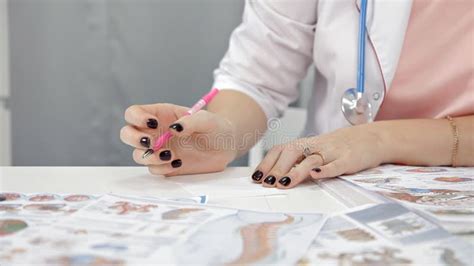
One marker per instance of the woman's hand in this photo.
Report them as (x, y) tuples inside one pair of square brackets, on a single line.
[(344, 151), (202, 142), (349, 150)]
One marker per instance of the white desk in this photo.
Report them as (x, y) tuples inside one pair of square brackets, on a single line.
[(137, 181)]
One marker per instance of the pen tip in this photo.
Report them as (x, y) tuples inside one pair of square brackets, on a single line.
[(147, 153)]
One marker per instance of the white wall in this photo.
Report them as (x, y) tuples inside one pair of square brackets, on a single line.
[(77, 65), (5, 150)]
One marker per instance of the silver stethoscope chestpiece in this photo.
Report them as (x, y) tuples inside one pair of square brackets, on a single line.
[(356, 107)]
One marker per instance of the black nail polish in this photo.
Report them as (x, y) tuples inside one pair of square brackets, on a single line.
[(145, 142), (165, 155), (152, 123), (317, 170), (257, 175), (176, 163), (177, 126), (3, 198), (285, 181), (270, 180)]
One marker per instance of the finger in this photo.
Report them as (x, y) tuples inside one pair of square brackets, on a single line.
[(283, 165), (138, 116), (266, 164), (165, 110), (164, 169), (160, 157), (200, 122), (135, 138), (332, 169), (299, 173)]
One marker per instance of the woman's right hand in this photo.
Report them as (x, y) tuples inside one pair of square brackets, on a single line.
[(202, 143)]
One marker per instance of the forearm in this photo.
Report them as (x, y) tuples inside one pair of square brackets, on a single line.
[(245, 115), (426, 141)]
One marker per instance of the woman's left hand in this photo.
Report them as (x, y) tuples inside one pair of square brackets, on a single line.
[(344, 151)]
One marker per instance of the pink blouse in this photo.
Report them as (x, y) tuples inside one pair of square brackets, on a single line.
[(435, 74)]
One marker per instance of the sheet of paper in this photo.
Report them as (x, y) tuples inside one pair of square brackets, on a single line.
[(444, 192), (36, 206), (385, 234), (128, 230), (228, 188), (42, 208)]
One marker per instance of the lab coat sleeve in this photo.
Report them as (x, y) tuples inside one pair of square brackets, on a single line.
[(270, 52)]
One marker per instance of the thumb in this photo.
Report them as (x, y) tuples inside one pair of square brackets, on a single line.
[(200, 122)]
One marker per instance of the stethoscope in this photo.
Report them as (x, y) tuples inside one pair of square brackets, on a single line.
[(356, 106)]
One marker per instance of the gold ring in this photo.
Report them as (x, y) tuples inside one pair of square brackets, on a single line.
[(307, 152), (322, 157)]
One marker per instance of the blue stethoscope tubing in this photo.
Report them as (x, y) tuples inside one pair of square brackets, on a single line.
[(361, 59), (355, 105)]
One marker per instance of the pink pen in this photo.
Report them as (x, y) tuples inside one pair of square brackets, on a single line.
[(196, 107)]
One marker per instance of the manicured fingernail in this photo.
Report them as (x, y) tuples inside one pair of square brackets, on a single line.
[(152, 123), (270, 180), (285, 181), (165, 155), (145, 142), (257, 175), (177, 126), (176, 163), (317, 169)]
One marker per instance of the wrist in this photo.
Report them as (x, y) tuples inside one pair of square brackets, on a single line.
[(228, 131), (384, 141)]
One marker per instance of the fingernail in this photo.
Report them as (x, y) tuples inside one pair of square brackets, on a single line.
[(270, 180), (317, 169), (177, 126), (152, 123), (176, 163), (257, 175), (145, 142), (285, 181), (165, 155)]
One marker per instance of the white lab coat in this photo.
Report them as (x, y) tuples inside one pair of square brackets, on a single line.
[(270, 52)]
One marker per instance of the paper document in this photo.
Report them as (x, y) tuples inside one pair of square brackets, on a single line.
[(228, 188), (386, 234), (444, 192), (128, 230)]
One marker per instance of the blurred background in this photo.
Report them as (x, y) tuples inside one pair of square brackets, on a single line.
[(69, 69)]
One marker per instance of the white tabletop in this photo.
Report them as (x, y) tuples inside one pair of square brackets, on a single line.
[(137, 181)]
